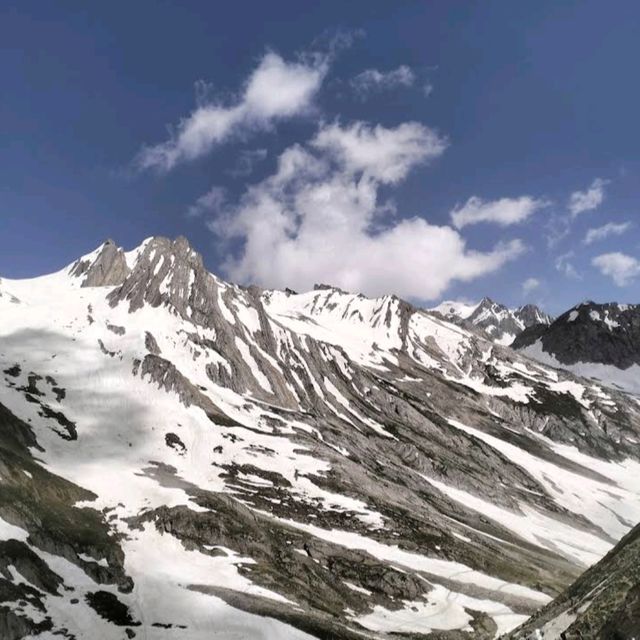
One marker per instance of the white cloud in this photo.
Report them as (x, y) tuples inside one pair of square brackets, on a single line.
[(530, 285), (427, 89), (620, 267), (318, 219), (384, 154), (504, 212), (605, 231), (275, 90), (565, 266), (372, 80), (591, 198), (210, 202)]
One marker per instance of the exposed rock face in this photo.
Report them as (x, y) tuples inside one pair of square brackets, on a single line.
[(343, 467), (603, 333), (107, 268), (600, 341), (602, 603), (498, 322), (531, 315), (40, 507)]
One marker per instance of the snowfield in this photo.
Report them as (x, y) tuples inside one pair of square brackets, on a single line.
[(276, 465)]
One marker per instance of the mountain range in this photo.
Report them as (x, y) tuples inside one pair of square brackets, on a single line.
[(500, 323), (182, 457)]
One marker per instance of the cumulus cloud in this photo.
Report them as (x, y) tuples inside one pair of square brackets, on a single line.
[(530, 285), (384, 154), (372, 80), (591, 198), (605, 231), (276, 89), (318, 219), (211, 202), (620, 267), (504, 212)]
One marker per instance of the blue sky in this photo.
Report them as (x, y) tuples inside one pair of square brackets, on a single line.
[(436, 150)]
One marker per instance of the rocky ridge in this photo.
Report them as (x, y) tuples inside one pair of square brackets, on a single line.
[(347, 467), (498, 322), (595, 340)]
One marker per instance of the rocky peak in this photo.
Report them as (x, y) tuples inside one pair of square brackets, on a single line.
[(604, 333), (104, 267), (530, 315), (488, 303), (165, 271), (486, 308), (327, 287), (496, 320)]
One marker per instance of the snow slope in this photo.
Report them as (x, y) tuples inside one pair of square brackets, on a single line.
[(268, 464)]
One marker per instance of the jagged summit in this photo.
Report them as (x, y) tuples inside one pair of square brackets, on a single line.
[(496, 320), (105, 266)]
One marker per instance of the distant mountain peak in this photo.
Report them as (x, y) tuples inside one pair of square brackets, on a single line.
[(598, 339), (496, 320)]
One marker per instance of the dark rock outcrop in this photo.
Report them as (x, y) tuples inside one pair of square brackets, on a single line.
[(590, 332), (603, 603)]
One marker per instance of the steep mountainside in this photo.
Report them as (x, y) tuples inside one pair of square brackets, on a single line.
[(182, 457), (500, 323), (595, 340), (602, 603)]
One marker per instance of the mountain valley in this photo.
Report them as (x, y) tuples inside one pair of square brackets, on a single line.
[(181, 456)]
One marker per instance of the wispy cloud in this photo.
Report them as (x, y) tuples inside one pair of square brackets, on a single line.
[(605, 231), (318, 218), (530, 285), (276, 90), (591, 198), (210, 202), (372, 80), (504, 212), (620, 267), (334, 41), (564, 264), (557, 228)]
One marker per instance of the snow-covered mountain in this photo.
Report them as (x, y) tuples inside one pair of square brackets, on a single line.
[(601, 341), (181, 457), (500, 323)]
